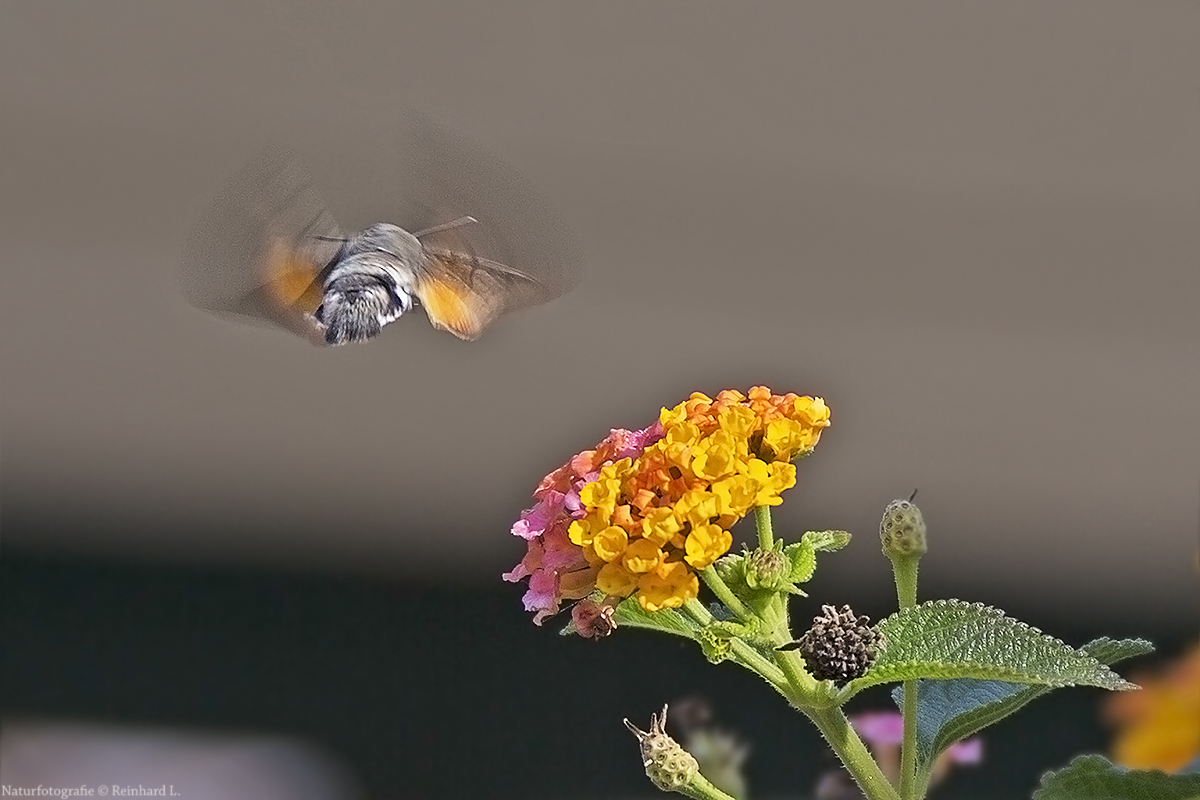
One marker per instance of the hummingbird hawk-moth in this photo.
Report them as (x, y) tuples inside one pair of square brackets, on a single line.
[(268, 249)]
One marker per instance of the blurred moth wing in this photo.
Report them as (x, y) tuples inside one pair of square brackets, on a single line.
[(462, 293), (261, 251), (446, 176)]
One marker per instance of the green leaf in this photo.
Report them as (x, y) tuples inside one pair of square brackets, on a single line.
[(802, 561), (731, 568), (802, 555), (951, 710), (1097, 778), (947, 639), (826, 541), (630, 614)]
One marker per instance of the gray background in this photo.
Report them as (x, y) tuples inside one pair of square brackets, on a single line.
[(971, 227)]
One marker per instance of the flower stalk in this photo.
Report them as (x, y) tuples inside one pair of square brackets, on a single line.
[(741, 652), (762, 523), (844, 741), (902, 534), (723, 593)]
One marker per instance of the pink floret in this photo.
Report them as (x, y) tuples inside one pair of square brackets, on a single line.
[(555, 566)]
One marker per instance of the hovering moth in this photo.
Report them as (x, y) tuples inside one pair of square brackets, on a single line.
[(268, 249)]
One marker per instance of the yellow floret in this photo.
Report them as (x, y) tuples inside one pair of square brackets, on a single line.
[(668, 586)]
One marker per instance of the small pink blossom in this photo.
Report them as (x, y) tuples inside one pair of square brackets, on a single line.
[(884, 732), (879, 727), (534, 521), (968, 751), (556, 567)]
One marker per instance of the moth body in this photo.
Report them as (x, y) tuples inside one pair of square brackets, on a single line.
[(372, 282)]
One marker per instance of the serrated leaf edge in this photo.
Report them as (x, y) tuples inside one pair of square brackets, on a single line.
[(876, 677)]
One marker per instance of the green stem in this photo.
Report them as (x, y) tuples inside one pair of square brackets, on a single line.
[(701, 788), (762, 521), (908, 750), (802, 685), (754, 661), (743, 653), (696, 610), (904, 569), (854, 754), (721, 589)]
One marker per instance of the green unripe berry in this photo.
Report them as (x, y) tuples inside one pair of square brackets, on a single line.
[(668, 765), (902, 530)]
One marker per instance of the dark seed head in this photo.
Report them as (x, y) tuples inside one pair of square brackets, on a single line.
[(839, 646)]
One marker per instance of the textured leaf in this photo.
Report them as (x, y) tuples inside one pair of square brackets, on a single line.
[(802, 560), (630, 614), (826, 541), (947, 639), (731, 568), (1097, 778), (950, 711)]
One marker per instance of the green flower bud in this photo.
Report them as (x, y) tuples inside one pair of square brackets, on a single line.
[(902, 530), (769, 569), (668, 766)]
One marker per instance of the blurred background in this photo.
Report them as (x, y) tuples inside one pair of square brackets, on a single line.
[(972, 229)]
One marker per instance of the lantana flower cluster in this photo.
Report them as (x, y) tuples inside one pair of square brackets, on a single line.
[(645, 510)]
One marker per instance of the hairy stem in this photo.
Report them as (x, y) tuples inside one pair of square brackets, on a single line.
[(701, 788), (743, 653), (762, 522), (721, 589), (854, 754), (905, 572)]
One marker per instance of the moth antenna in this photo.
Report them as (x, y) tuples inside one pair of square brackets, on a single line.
[(446, 226), (912, 496), (332, 238)]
